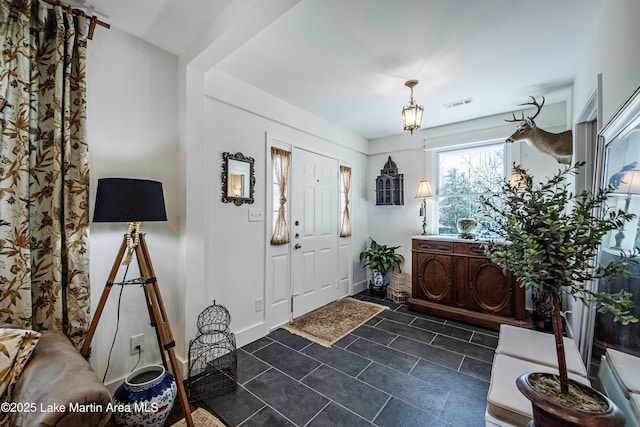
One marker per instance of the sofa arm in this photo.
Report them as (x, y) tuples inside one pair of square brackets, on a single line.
[(61, 386)]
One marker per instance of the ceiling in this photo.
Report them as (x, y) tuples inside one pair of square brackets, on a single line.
[(347, 60)]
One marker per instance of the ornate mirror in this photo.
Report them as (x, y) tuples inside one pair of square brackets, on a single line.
[(238, 178)]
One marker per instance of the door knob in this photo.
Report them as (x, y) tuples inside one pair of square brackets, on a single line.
[(298, 246)]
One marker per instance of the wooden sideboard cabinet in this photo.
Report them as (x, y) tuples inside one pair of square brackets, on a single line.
[(453, 278)]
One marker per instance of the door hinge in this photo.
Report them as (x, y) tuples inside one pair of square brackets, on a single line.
[(292, 296)]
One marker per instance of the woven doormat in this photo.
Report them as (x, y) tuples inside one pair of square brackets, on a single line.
[(334, 321), (201, 418)]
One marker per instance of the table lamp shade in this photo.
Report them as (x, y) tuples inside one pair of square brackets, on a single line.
[(129, 200), (424, 189)]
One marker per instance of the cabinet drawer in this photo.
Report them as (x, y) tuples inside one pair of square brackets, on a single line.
[(461, 248), (432, 246), (473, 249), (477, 249)]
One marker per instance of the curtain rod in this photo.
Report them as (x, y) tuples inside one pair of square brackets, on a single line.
[(93, 18)]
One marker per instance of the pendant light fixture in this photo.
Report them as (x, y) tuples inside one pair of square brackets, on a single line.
[(412, 113)]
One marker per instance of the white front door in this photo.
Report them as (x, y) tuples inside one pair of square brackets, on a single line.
[(314, 231)]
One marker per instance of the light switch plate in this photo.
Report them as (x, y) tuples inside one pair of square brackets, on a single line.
[(255, 214)]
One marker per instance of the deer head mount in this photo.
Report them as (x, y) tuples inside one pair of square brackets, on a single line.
[(557, 145)]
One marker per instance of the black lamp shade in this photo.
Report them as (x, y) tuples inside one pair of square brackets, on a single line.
[(129, 200)]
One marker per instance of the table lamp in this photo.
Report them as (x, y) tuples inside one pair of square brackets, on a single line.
[(424, 191)]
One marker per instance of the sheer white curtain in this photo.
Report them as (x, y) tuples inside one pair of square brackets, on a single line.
[(280, 160), (345, 225)]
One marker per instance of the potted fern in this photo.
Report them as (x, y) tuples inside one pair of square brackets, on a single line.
[(549, 240), (382, 260)]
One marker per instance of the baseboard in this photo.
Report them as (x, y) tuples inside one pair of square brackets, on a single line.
[(359, 287), (251, 334)]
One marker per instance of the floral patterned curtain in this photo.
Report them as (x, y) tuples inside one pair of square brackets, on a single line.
[(44, 169)]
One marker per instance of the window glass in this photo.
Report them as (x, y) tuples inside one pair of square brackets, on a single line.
[(462, 176)]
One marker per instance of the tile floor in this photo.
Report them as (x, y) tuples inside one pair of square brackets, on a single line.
[(402, 368)]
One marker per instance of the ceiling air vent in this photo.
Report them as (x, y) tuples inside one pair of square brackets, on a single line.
[(458, 103)]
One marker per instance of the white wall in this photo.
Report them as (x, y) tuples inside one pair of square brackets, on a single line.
[(614, 53), (132, 91), (236, 118), (394, 225)]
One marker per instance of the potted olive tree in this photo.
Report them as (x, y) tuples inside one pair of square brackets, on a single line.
[(549, 240), (382, 260)]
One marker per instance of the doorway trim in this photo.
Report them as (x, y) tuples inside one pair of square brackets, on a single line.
[(278, 286)]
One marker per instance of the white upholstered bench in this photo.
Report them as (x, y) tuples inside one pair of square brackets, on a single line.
[(619, 376), (519, 351)]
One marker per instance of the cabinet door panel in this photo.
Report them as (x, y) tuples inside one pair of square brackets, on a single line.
[(434, 278), (491, 291), (454, 279), (460, 279)]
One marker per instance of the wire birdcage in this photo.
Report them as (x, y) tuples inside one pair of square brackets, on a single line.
[(213, 360), (399, 290), (213, 319)]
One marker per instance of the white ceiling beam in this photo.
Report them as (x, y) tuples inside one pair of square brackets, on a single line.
[(240, 21)]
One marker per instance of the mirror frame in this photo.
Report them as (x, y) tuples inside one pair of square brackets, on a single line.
[(226, 198)]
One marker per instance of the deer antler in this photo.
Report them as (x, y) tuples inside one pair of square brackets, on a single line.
[(515, 119), (538, 106)]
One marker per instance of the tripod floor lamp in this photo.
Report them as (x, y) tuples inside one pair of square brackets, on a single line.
[(133, 201)]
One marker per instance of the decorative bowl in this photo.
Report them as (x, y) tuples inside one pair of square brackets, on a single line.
[(467, 228)]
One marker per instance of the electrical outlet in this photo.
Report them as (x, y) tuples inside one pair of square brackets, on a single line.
[(259, 305), (135, 342), (255, 214)]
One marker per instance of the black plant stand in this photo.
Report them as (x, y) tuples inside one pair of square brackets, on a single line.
[(382, 289)]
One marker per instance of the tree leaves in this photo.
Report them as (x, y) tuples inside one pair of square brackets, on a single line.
[(381, 257), (553, 239)]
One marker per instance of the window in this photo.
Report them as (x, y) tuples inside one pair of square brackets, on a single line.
[(462, 176)]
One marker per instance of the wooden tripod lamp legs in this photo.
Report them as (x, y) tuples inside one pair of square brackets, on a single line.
[(157, 316)]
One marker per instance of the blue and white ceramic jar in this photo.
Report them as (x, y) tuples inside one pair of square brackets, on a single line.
[(145, 398), (377, 279)]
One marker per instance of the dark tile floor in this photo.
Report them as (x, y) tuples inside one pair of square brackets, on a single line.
[(402, 368)]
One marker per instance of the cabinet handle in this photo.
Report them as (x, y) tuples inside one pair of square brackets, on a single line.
[(298, 246), (471, 284)]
